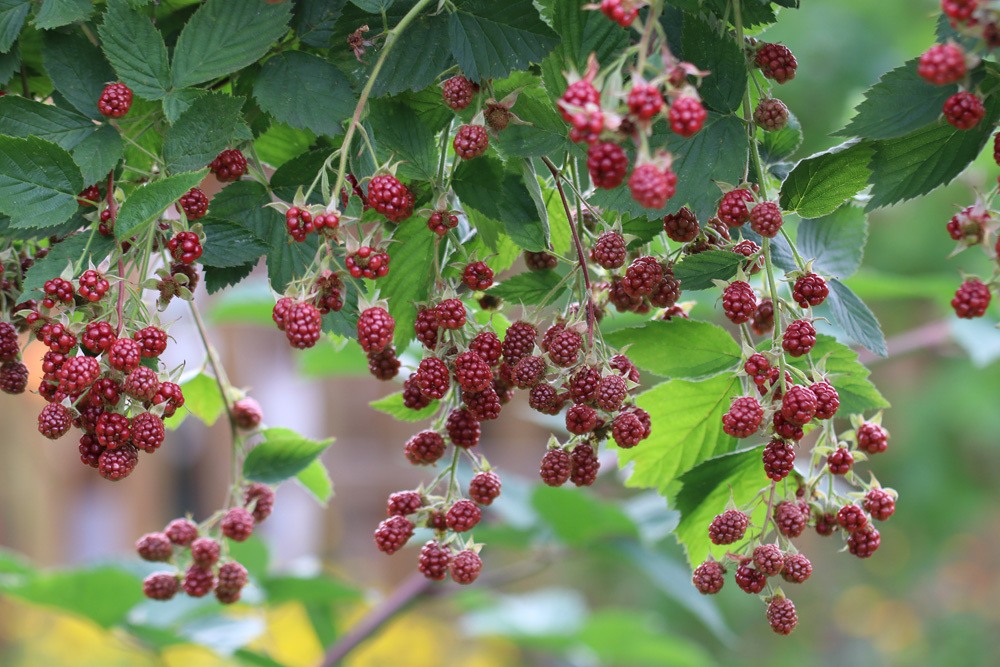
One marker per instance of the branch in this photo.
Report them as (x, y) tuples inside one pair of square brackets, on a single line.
[(930, 335)]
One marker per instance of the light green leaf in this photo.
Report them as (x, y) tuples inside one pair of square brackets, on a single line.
[(136, 50), (57, 13), (412, 276), (330, 98), (203, 398), (316, 480), (38, 181), (392, 405), (281, 143), (821, 183), (696, 272), (848, 376), (83, 592), (679, 348), (202, 132), (562, 508), (835, 242), (283, 454), (147, 203)]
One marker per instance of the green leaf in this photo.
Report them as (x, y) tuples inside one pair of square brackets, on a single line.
[(314, 20), (202, 132), (901, 102), (855, 319), (374, 6), (679, 348), (21, 117), (218, 279), (412, 276), (203, 398), (224, 36), (484, 185), (280, 143), (136, 50), (392, 405), (561, 509), (781, 144), (402, 136), (299, 171), (316, 480), (704, 492), (648, 644), (689, 415), (38, 181), (9, 63), (916, 163), (57, 13), (229, 244), (697, 271), (60, 255), (491, 39), (305, 590), (12, 16), (821, 183), (848, 376), (417, 58), (283, 454), (330, 98), (718, 53), (146, 204), (545, 133), (102, 594), (835, 242), (332, 356), (581, 33), (177, 102), (78, 70), (99, 153), (532, 287)]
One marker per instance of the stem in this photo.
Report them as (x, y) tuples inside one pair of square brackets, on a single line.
[(580, 255)]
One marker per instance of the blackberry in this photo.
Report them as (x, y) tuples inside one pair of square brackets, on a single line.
[(644, 100), (797, 568), (642, 276), (607, 164), (232, 578), (681, 226), (433, 378), (181, 532), (9, 347), (237, 524), (880, 504), (205, 552), (744, 417), (799, 405), (827, 399), (840, 461), (667, 292), (585, 465), (465, 567), (13, 377), (739, 301), (733, 209), (728, 527), (810, 290), (425, 448), (54, 421), (611, 392), (403, 503), (77, 374), (384, 365), (624, 366), (194, 203), (545, 399), (426, 327), (872, 438), (113, 430), (750, 580), (154, 547), (247, 413), (117, 464), (564, 350), (651, 187), (413, 398), (170, 396), (198, 581), (770, 115), (390, 197), (147, 431), (709, 577), (765, 219), (762, 321), (141, 384), (229, 165), (463, 428), (769, 559), (779, 459), (259, 499), (124, 355), (440, 222), (434, 560), (971, 299), (458, 92), (864, 542), (160, 586), (776, 62), (484, 488), (450, 314), (484, 405), (627, 430), (799, 338), (964, 110), (152, 341), (392, 534), (518, 342), (471, 372), (115, 100), (781, 615), (609, 250), (556, 467), (303, 325), (477, 276), (463, 516), (851, 518), (471, 141), (790, 518), (581, 419), (687, 116), (375, 329), (487, 345), (90, 450), (540, 261)]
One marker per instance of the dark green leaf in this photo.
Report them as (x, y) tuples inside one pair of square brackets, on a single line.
[(835, 242), (329, 94), (298, 172), (177, 102), (217, 280), (393, 406), (418, 57), (224, 36), (484, 184), (313, 20), (402, 136), (491, 39), (9, 63), (38, 181), (781, 144), (12, 15), (411, 278), (99, 153), (821, 183), (561, 509), (532, 287), (719, 54), (679, 348), (56, 13), (316, 479), (136, 50), (374, 6), (61, 255), (545, 133), (230, 245), (78, 70), (855, 319), (581, 33), (283, 454), (147, 203), (848, 375), (21, 117), (86, 593), (202, 132), (698, 271)]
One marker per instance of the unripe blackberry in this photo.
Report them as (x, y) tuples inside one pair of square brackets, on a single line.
[(681, 226), (152, 341), (627, 430), (776, 62), (465, 567), (963, 110), (484, 405), (611, 392), (779, 459), (556, 467), (471, 372), (750, 580), (744, 417), (433, 378), (781, 615), (77, 374), (518, 342), (303, 325), (872, 438), (384, 365), (797, 568), (484, 488), (607, 164), (477, 276), (237, 524), (259, 499), (141, 384), (971, 299), (229, 165), (54, 421), (124, 355), (9, 347), (113, 430), (90, 450), (609, 251), (392, 534), (864, 542), (644, 101), (880, 504), (390, 197), (810, 290), (186, 247), (651, 187), (403, 503), (426, 327), (154, 547), (170, 396), (232, 578), (117, 464), (826, 524), (440, 222), (765, 219), (540, 261), (115, 100), (425, 448), (739, 302), (768, 559), (247, 413), (770, 115), (585, 465), (840, 461), (851, 518), (564, 350), (667, 292), (827, 399), (462, 516), (368, 262), (434, 560), (624, 367), (13, 377), (799, 405), (581, 419), (687, 116), (160, 586), (799, 338), (471, 141), (487, 345), (642, 276), (181, 532), (450, 314), (790, 518), (198, 581), (545, 399), (728, 527), (205, 552), (709, 577), (757, 367), (458, 92), (375, 329), (57, 290), (463, 428), (733, 209)]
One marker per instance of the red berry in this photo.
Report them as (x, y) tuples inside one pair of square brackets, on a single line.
[(93, 285), (141, 384), (779, 459), (259, 497), (54, 421), (565, 348), (681, 226), (390, 197), (799, 405), (237, 524), (770, 115), (757, 367), (971, 299), (959, 11), (450, 314), (392, 534), (205, 552), (644, 101), (115, 100), (864, 542), (581, 419), (750, 580), (765, 218), (609, 250), (170, 396), (375, 329), (9, 347), (434, 560), (194, 203), (458, 92), (465, 567), (198, 581), (785, 429), (768, 559), (826, 524), (433, 378), (462, 516), (840, 461), (739, 302), (968, 226), (744, 417), (585, 465), (545, 399), (642, 276), (556, 468), (611, 392), (942, 64), (113, 430), (728, 527), (790, 518), (827, 400), (687, 116), (76, 374), (425, 448), (181, 532), (872, 438), (147, 431), (185, 247), (624, 366), (776, 62), (299, 223), (247, 413), (851, 518), (651, 187), (89, 196), (403, 503), (232, 578), (477, 276), (303, 325), (607, 164), (627, 430), (781, 615), (810, 290), (13, 377), (583, 385), (229, 165), (733, 207), (799, 338), (540, 261), (622, 12), (709, 577), (488, 346), (880, 504), (763, 318), (471, 141), (154, 547), (463, 428), (748, 249), (484, 405), (964, 110), (518, 342), (117, 464), (152, 341), (440, 222), (160, 586), (484, 488), (797, 568), (57, 289)]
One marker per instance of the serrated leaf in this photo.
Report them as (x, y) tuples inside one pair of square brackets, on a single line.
[(491, 39), (835, 242), (545, 131), (57, 13), (561, 508), (315, 478), (374, 6), (81, 592), (229, 245), (177, 102), (821, 183), (21, 117), (283, 454), (99, 153), (781, 144), (280, 143), (146, 204), (38, 182), (9, 63), (297, 172), (690, 417), (12, 16), (411, 277), (417, 58), (330, 98), (202, 132), (218, 279), (203, 398), (224, 36), (61, 255), (532, 287), (855, 319), (697, 271), (135, 49), (314, 20), (484, 184), (581, 33), (392, 405), (901, 102), (719, 54), (848, 376), (704, 492), (403, 137), (679, 348), (78, 70)]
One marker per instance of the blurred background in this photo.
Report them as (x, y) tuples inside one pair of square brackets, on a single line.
[(572, 577)]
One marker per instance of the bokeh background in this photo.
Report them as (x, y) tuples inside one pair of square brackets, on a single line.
[(572, 578)]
